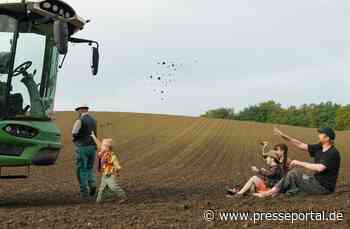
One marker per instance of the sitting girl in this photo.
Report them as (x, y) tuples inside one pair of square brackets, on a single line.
[(282, 151), (265, 178)]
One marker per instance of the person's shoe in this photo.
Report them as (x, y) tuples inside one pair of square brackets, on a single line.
[(123, 200), (292, 192), (84, 197), (92, 191), (275, 194), (261, 195), (234, 196), (231, 191)]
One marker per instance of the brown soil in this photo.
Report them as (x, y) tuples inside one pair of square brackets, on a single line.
[(174, 169)]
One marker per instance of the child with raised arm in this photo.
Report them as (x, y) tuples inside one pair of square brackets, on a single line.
[(265, 178), (110, 167)]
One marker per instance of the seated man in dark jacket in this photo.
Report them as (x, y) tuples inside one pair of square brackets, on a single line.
[(325, 167)]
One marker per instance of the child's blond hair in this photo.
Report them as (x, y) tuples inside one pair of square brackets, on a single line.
[(109, 142)]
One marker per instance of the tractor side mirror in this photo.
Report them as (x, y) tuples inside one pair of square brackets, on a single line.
[(95, 60), (60, 33)]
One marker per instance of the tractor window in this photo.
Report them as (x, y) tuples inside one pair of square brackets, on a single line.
[(6, 36), (24, 96)]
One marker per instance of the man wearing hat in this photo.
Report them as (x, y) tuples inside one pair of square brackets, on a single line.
[(85, 151), (325, 167)]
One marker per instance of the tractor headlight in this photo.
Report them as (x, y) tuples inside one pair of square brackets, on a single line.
[(54, 8), (21, 131), (46, 5), (58, 8)]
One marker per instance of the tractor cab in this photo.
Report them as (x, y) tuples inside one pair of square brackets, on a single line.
[(24, 94), (34, 37)]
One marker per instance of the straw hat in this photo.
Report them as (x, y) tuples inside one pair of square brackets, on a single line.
[(82, 106)]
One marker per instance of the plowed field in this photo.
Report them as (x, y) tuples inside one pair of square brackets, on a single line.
[(175, 168)]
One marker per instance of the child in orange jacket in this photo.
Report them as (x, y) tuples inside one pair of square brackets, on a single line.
[(110, 168)]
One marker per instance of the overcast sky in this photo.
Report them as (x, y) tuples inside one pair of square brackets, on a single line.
[(228, 54)]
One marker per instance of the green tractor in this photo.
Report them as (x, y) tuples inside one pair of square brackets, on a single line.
[(34, 37)]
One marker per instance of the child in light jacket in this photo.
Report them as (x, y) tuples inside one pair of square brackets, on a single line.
[(265, 178)]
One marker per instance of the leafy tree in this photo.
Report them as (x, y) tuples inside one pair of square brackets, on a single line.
[(223, 113), (343, 118), (313, 115)]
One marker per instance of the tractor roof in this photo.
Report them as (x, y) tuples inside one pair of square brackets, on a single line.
[(37, 9)]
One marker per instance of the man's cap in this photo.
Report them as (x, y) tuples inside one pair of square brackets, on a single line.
[(273, 154), (327, 131), (82, 106)]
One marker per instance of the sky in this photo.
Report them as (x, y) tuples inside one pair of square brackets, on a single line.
[(228, 54)]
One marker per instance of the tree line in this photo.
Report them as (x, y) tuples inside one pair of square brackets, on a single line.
[(308, 115)]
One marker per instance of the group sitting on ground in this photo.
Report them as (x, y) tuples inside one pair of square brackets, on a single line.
[(286, 176)]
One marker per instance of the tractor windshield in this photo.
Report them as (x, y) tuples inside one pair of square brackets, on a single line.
[(25, 98), (7, 28), (24, 82)]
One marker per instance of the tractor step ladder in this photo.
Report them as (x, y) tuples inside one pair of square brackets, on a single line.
[(15, 176)]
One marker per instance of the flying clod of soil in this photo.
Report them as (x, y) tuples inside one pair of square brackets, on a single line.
[(164, 78)]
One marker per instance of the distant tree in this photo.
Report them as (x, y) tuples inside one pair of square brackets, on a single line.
[(327, 114), (269, 111), (297, 117), (343, 118), (251, 113), (272, 111), (309, 115), (222, 113)]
